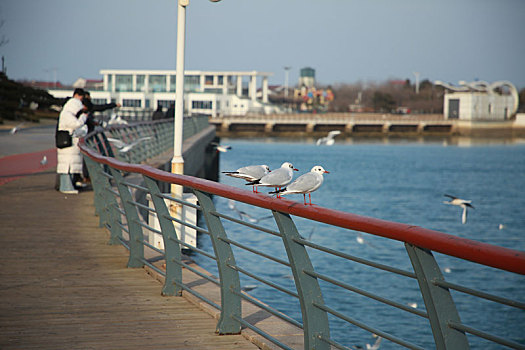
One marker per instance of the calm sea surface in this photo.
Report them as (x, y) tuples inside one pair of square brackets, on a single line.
[(402, 181)]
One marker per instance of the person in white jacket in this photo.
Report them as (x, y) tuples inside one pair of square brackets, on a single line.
[(69, 159)]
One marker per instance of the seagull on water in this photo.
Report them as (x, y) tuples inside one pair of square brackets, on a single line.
[(306, 183), (460, 203), (250, 173), (376, 345), (277, 178), (328, 140), (125, 147)]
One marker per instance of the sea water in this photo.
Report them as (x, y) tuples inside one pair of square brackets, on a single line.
[(402, 181)]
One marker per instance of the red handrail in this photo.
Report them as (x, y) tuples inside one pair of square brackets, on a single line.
[(482, 253)]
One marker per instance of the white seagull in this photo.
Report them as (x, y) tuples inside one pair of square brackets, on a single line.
[(250, 173), (376, 345), (329, 139), (460, 203), (306, 183), (221, 148), (15, 129), (43, 161), (277, 178), (115, 120), (125, 147)]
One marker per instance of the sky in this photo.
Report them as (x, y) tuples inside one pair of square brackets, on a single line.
[(345, 41)]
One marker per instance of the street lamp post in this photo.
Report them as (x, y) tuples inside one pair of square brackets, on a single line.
[(177, 162)]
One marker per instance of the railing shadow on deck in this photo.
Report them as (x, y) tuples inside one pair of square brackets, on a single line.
[(316, 314)]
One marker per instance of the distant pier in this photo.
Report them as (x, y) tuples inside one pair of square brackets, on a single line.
[(356, 124)]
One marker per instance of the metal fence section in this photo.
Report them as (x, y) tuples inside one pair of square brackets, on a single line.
[(119, 211)]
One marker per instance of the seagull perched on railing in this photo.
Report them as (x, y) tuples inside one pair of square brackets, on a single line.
[(460, 203), (250, 173), (125, 147), (329, 139), (306, 183), (277, 178)]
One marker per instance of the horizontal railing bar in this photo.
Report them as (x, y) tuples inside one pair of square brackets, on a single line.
[(366, 294), (140, 205), (480, 294), (261, 333), (160, 251), (180, 201), (196, 228), (124, 242), (240, 245), (109, 176), (463, 328), (262, 280), (124, 227), (112, 191), (162, 273), (368, 328), (242, 222), (138, 187), (119, 209), (197, 272), (276, 313), (464, 248), (146, 226), (333, 343), (198, 295), (195, 249), (355, 258)]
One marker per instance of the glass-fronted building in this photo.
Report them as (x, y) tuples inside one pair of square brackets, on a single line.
[(206, 92)]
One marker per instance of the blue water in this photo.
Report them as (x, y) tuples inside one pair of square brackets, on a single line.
[(402, 181)]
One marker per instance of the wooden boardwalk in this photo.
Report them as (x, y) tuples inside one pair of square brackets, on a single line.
[(63, 287)]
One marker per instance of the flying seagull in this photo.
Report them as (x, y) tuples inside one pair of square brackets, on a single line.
[(15, 129), (277, 178), (250, 173), (221, 148), (460, 203), (125, 147), (328, 140), (306, 183)]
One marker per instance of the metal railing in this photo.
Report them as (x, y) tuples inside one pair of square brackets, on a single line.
[(313, 282)]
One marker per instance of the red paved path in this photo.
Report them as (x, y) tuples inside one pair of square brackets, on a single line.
[(18, 165)]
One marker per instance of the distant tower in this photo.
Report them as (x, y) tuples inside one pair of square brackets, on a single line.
[(307, 77)]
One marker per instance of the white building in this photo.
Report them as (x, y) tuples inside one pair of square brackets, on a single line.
[(212, 93), (480, 100)]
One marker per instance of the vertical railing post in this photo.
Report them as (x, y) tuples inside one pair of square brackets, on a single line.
[(438, 301), (315, 320), (105, 202), (229, 277), (172, 249), (136, 237)]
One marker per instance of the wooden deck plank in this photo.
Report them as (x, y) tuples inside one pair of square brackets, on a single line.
[(63, 287)]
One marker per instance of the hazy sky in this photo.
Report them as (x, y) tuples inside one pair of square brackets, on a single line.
[(345, 41)]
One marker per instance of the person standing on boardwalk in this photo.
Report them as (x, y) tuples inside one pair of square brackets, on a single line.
[(158, 114), (91, 122), (69, 159)]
